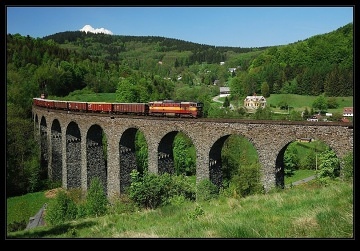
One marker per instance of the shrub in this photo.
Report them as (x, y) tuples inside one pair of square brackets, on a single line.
[(60, 210), (206, 190), (16, 226), (96, 200), (150, 190)]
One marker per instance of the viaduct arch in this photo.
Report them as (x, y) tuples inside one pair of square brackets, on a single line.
[(72, 147)]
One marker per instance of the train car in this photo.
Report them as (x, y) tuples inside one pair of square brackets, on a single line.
[(101, 107), (50, 104), (77, 106), (131, 108), (39, 102), (61, 105), (171, 108)]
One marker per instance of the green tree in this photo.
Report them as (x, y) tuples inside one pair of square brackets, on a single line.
[(226, 102), (265, 90), (291, 160), (320, 103), (263, 113), (184, 155), (329, 165)]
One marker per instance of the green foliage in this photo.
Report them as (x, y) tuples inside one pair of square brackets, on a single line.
[(182, 185), (151, 190), (263, 113), (265, 91), (332, 103), (348, 169), (206, 190), (35, 180), (198, 211), (291, 160), (62, 209), (16, 226), (122, 204), (141, 151), (184, 155), (96, 199), (22, 154), (226, 102), (329, 167), (246, 182), (320, 103), (294, 211)]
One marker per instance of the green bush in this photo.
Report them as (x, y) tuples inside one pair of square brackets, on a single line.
[(247, 182), (62, 209), (96, 199), (182, 185), (206, 190), (16, 226), (149, 190), (153, 190)]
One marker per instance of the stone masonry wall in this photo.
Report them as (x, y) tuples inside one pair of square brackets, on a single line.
[(269, 139)]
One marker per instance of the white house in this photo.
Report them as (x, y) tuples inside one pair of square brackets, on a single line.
[(348, 112), (254, 102)]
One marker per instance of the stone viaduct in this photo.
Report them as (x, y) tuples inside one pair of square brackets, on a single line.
[(73, 151)]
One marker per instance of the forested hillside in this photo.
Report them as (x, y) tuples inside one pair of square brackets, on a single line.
[(140, 69)]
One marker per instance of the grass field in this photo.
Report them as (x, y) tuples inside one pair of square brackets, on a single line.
[(305, 211)]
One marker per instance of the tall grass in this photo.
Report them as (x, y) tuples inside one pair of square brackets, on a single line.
[(305, 211)]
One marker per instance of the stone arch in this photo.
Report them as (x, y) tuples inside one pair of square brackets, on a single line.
[(279, 167), (215, 162), (95, 156), (44, 147), (127, 153), (56, 152), (73, 156), (165, 153)]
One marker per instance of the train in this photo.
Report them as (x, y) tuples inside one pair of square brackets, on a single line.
[(162, 108)]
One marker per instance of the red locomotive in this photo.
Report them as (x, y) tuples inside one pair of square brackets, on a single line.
[(166, 108)]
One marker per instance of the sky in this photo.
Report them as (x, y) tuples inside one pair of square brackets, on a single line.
[(233, 26)]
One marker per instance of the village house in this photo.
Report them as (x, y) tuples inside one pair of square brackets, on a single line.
[(254, 102), (348, 112), (224, 91)]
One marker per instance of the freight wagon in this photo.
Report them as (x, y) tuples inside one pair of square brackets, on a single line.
[(131, 108), (77, 106), (101, 107)]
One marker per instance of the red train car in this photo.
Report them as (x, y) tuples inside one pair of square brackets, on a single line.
[(49, 103), (131, 108), (39, 102), (59, 104), (77, 106), (101, 107)]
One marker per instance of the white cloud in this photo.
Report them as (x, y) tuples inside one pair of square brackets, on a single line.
[(87, 28)]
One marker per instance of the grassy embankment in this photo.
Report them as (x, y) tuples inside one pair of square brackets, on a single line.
[(304, 211)]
